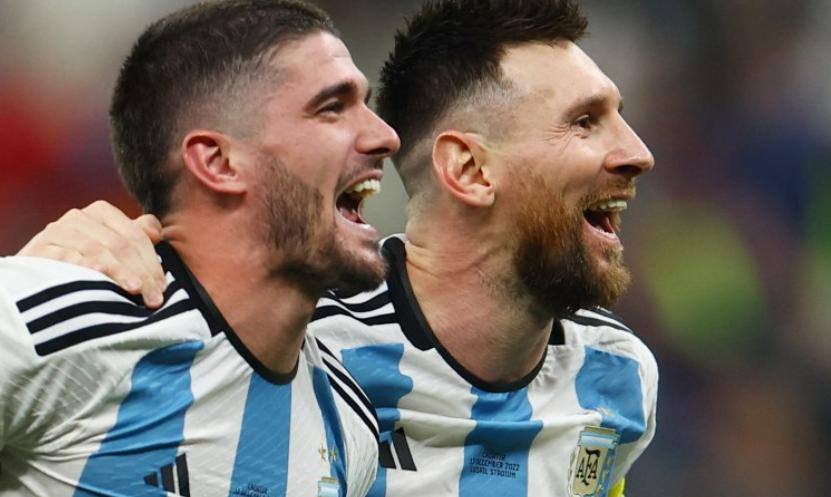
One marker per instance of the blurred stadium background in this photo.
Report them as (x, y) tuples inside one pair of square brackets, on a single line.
[(729, 240)]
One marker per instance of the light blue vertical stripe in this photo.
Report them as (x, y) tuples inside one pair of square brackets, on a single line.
[(262, 458), (496, 451), (610, 384), (148, 429), (334, 430), (377, 370)]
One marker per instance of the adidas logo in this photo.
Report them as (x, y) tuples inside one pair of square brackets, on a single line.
[(400, 451), (171, 477)]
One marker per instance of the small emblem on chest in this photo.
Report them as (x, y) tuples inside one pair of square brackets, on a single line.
[(592, 462), (328, 487)]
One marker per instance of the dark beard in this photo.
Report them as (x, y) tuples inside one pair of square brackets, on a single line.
[(551, 260), (295, 224)]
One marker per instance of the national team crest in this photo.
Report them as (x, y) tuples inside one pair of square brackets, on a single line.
[(328, 487), (592, 462)]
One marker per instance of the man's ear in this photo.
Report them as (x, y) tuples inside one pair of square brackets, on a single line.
[(208, 157), (463, 168)]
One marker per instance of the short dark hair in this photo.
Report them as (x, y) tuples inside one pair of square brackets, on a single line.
[(450, 49), (190, 63)]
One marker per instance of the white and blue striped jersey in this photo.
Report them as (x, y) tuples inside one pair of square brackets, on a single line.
[(572, 427), (101, 397)]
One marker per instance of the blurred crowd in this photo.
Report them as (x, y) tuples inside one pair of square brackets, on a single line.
[(729, 238)]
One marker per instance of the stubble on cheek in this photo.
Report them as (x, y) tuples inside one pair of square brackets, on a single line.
[(311, 252)]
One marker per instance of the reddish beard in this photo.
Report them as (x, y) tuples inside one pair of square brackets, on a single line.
[(551, 258)]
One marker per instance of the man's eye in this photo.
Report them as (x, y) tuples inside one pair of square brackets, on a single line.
[(586, 121), (333, 107)]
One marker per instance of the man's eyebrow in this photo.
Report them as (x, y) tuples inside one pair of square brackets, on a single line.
[(591, 102), (343, 89)]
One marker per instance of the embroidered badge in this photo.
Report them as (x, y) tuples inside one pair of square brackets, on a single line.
[(327, 487), (592, 462)]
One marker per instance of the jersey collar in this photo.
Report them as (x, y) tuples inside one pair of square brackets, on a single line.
[(418, 331), (213, 317)]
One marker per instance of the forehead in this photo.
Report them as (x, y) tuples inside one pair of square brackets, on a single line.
[(561, 72), (313, 62)]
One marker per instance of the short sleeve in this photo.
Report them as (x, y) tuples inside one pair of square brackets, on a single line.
[(17, 359)]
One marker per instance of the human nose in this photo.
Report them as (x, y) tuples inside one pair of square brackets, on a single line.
[(630, 156), (378, 138)]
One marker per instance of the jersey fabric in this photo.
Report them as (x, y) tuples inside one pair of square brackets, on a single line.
[(572, 427), (100, 396)]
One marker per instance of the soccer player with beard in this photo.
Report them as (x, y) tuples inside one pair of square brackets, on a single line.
[(239, 124), (493, 366)]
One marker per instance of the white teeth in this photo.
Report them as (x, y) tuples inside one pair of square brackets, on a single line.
[(610, 206), (365, 188)]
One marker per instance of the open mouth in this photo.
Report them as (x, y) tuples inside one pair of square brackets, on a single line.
[(350, 202), (605, 216)]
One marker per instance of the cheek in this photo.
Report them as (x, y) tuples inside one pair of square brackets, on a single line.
[(567, 189), (548, 188), (328, 162), (317, 151), (568, 168), (317, 174), (576, 176)]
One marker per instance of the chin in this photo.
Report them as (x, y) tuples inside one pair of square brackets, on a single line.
[(566, 277), (360, 272), (348, 265), (611, 280)]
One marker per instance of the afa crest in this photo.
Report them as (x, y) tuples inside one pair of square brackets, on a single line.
[(592, 462), (328, 487)]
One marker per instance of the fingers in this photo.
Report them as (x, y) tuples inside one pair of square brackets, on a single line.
[(101, 237), (151, 226), (129, 244), (134, 248)]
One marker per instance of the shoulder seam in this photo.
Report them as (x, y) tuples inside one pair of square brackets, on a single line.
[(75, 337), (56, 291), (45, 330)]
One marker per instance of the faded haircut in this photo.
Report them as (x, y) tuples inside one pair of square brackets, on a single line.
[(448, 56), (197, 67)]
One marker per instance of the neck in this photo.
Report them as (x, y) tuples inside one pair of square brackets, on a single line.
[(268, 313), (459, 277)]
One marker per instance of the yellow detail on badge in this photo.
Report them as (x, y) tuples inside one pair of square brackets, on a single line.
[(592, 462), (617, 490)]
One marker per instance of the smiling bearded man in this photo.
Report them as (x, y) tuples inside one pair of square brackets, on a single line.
[(240, 124)]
